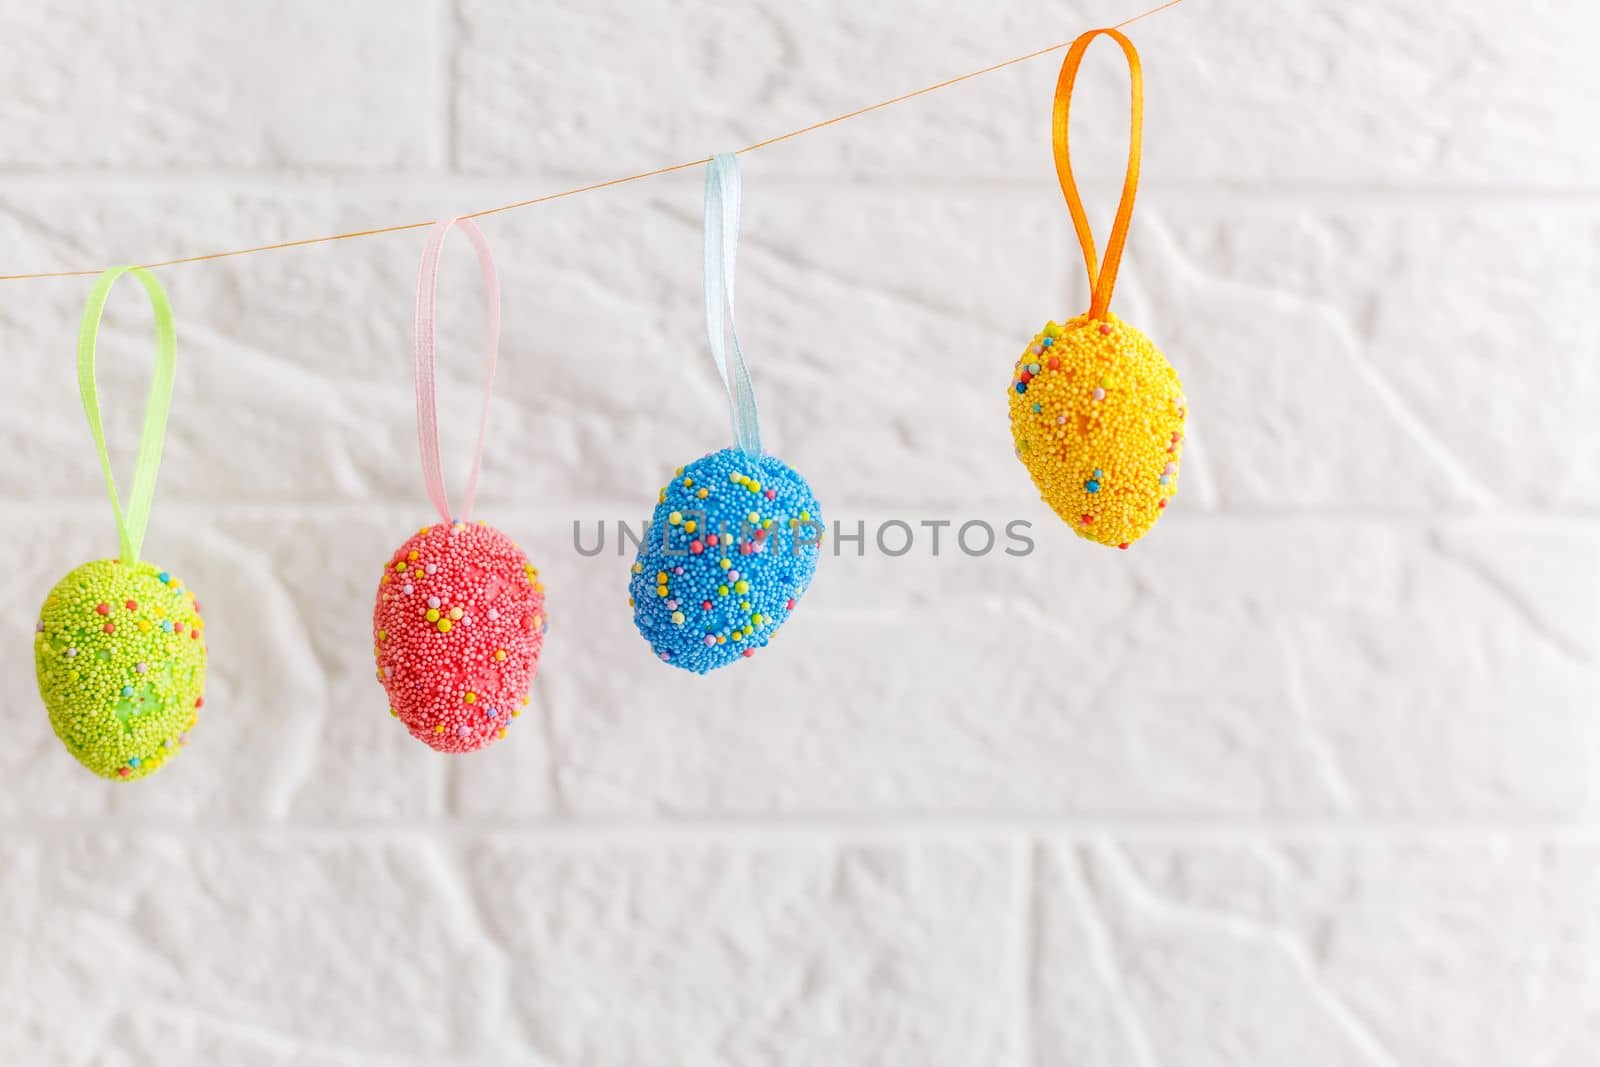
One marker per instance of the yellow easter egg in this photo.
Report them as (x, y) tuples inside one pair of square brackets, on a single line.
[(1097, 417)]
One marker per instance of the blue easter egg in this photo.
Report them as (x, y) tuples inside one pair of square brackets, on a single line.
[(732, 546)]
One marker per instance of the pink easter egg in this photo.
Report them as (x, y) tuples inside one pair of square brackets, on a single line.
[(457, 654)]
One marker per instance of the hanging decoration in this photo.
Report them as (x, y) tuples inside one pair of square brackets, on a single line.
[(734, 539), (459, 622), (120, 649), (1097, 413)]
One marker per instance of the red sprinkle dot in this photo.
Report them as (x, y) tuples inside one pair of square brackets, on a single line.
[(1087, 519), (1054, 364), (194, 635), (761, 535), (1105, 327), (199, 702), (749, 652), (110, 627), (705, 605), (103, 608), (1162, 504), (1123, 546), (1025, 377), (790, 605), (696, 547), (123, 771), (132, 605)]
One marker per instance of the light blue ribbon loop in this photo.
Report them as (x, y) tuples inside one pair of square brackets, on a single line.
[(722, 244)]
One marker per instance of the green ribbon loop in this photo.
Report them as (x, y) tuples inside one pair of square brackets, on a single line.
[(131, 524)]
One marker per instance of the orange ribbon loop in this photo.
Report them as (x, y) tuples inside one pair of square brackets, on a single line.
[(1102, 278)]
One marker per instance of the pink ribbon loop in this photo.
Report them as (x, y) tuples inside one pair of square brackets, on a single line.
[(427, 399)]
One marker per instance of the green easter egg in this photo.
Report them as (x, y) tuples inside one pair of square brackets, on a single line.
[(120, 654)]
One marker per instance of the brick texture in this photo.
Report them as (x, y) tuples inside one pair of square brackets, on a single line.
[(1305, 778)]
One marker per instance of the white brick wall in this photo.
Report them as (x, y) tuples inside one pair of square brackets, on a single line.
[(1304, 780)]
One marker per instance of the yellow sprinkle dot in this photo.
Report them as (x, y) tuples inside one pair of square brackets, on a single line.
[(742, 586), (456, 613), (433, 615), (675, 518), (419, 573), (638, 568), (444, 626), (691, 526), (401, 566), (722, 590), (412, 556), (754, 487), (757, 618), (735, 477), (396, 714), (661, 590), (661, 577), (748, 630), (703, 493), (677, 618), (471, 698), (383, 635), (500, 732), (753, 517), (500, 655), (725, 563), (687, 482)]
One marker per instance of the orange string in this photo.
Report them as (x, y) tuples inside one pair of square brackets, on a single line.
[(835, 120), (1104, 278)]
